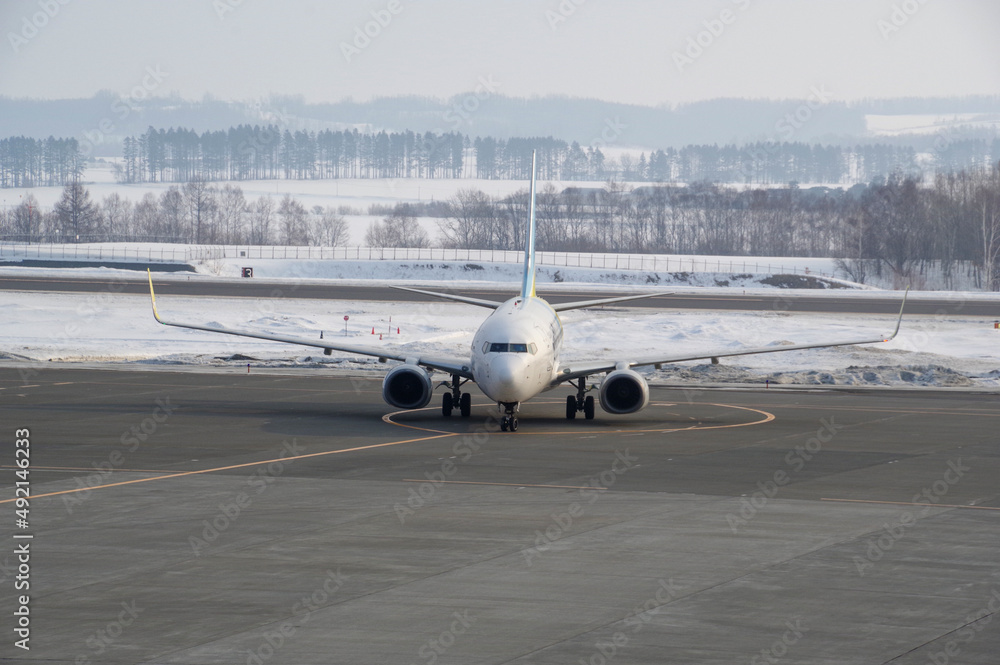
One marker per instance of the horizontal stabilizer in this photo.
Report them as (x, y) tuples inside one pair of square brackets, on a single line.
[(580, 304), (450, 296)]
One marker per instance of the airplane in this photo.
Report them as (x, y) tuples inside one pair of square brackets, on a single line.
[(515, 354)]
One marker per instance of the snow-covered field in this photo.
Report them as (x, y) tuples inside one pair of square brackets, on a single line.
[(114, 328), (945, 124)]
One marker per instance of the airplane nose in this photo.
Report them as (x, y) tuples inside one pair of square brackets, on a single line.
[(507, 382)]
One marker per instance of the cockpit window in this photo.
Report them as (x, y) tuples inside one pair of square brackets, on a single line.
[(511, 347)]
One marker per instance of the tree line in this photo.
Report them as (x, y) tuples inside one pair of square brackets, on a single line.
[(28, 162), (897, 226), (196, 212), (254, 152)]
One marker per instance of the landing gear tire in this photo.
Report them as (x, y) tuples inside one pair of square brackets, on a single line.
[(588, 407), (446, 405), (571, 407), (512, 425), (465, 404)]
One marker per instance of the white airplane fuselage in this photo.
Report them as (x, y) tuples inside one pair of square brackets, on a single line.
[(515, 352)]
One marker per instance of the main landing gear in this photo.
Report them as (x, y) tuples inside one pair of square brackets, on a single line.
[(509, 420), (456, 399), (580, 401)]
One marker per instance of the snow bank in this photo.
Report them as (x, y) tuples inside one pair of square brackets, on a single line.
[(116, 328)]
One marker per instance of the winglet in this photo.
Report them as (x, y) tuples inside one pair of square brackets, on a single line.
[(152, 296), (528, 281), (900, 319)]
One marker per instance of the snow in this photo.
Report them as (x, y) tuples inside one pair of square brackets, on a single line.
[(116, 328), (895, 125), (436, 263)]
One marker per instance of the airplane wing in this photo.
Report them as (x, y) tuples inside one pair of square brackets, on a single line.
[(575, 371), (449, 365)]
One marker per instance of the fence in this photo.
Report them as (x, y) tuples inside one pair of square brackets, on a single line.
[(175, 253)]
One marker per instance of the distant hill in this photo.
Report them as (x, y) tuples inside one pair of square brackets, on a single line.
[(105, 119)]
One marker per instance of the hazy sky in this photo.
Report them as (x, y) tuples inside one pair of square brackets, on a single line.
[(628, 51)]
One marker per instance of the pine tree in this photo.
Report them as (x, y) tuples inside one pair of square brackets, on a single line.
[(78, 216)]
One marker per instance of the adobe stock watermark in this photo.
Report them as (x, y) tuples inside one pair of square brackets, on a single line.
[(611, 132), (264, 139), (640, 617), (301, 612), (131, 439), (785, 129), (32, 25), (122, 108), (892, 533), (103, 638), (705, 39), (469, 445), (899, 16), (364, 34), (461, 111), (229, 512), (562, 522), (781, 646), (564, 10), (968, 630), (795, 460), (431, 650), (223, 7)]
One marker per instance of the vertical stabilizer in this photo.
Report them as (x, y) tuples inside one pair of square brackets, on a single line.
[(528, 281)]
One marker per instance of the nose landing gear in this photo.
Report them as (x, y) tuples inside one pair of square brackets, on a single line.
[(509, 419)]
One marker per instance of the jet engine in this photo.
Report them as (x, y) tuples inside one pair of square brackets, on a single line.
[(624, 391), (407, 387)]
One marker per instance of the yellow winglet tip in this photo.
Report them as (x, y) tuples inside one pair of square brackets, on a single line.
[(152, 295)]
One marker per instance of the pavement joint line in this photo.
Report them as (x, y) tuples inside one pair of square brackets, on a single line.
[(236, 466), (911, 503), (475, 482)]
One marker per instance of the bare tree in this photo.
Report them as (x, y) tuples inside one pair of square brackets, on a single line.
[(172, 217), (231, 209), (199, 197), (146, 219), (331, 228), (117, 214), (26, 219), (471, 220), (987, 206), (261, 220), (399, 229), (294, 221)]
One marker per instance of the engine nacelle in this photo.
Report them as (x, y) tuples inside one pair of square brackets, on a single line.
[(624, 391), (407, 387)]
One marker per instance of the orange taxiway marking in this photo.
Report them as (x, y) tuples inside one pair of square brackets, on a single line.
[(235, 466)]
